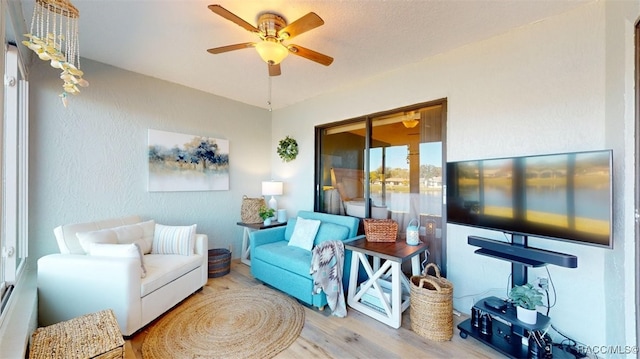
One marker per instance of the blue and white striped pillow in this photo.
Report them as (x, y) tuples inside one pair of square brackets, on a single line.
[(173, 239)]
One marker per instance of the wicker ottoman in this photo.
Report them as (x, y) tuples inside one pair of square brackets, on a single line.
[(95, 335)]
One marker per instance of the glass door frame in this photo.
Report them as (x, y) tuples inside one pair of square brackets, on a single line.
[(368, 123)]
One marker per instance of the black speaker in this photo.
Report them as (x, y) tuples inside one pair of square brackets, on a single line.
[(486, 324), (539, 345), (475, 317)]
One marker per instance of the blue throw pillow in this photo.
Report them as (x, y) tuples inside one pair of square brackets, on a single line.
[(331, 231)]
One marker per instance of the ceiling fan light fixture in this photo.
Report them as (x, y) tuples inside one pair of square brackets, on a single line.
[(410, 123), (272, 51), (272, 29), (411, 119)]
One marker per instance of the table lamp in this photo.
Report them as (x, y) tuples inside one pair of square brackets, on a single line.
[(272, 188)]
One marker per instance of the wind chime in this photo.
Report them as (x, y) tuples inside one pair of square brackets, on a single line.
[(54, 37)]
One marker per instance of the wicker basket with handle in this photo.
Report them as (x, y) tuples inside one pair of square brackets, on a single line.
[(250, 208), (431, 309), (380, 230)]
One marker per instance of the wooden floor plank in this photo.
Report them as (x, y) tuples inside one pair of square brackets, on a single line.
[(355, 336)]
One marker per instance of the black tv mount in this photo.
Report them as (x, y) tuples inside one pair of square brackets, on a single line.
[(521, 255)]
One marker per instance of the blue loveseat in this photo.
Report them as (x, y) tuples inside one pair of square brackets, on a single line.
[(286, 268)]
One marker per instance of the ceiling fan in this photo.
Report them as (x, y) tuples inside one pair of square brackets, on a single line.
[(272, 30)]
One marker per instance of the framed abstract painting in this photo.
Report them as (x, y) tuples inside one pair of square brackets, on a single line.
[(181, 162)]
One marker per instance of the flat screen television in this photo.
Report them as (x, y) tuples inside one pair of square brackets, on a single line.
[(566, 196)]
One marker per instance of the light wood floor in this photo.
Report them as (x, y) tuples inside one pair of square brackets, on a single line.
[(356, 336)]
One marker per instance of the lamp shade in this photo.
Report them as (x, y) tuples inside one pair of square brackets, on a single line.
[(271, 188), (272, 52)]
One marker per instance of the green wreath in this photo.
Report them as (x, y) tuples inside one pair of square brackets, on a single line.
[(288, 149)]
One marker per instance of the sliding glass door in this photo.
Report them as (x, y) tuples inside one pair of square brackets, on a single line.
[(342, 161), (386, 165)]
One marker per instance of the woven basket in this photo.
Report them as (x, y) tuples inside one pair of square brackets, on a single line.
[(431, 309), (249, 213), (95, 335), (380, 230)]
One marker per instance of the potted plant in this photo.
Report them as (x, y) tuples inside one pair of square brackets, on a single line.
[(266, 213), (526, 297)]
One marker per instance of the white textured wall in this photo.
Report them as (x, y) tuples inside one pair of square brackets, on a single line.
[(562, 84), (89, 161)]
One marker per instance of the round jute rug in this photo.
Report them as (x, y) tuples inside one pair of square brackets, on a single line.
[(247, 323)]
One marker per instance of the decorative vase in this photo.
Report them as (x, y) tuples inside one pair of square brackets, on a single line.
[(529, 316), (267, 221), (282, 215)]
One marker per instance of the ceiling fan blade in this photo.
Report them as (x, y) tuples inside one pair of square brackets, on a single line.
[(232, 17), (308, 22), (274, 70), (311, 55), (221, 49)]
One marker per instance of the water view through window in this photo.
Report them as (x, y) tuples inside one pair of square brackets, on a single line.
[(397, 195)]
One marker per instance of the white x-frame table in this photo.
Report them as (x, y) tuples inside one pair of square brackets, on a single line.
[(393, 254), (245, 256)]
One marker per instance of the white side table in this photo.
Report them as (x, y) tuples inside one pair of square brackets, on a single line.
[(387, 278), (245, 256)]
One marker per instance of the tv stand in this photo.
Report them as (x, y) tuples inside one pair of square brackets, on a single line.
[(507, 332)]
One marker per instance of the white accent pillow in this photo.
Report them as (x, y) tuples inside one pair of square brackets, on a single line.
[(103, 236), (131, 250), (304, 233), (141, 233), (174, 239), (148, 228)]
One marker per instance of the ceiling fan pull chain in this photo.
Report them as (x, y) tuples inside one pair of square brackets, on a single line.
[(269, 100)]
